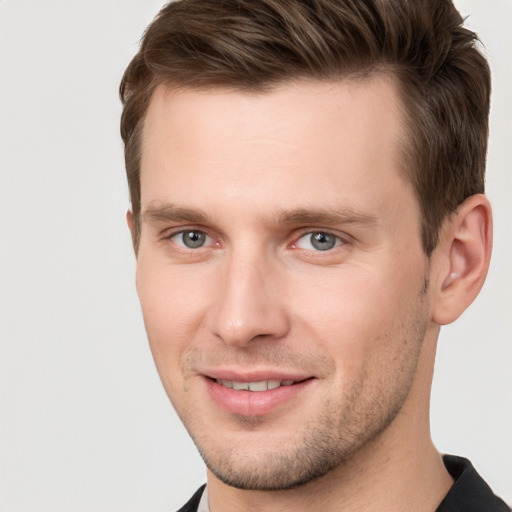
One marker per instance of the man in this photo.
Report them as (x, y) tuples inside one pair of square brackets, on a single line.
[(306, 181)]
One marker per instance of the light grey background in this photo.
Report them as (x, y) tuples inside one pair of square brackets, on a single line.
[(85, 425)]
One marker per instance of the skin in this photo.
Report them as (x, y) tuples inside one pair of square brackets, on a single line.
[(256, 175)]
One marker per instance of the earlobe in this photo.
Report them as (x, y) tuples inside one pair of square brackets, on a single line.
[(465, 249)]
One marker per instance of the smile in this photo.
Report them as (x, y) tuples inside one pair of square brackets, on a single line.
[(263, 385), (259, 396)]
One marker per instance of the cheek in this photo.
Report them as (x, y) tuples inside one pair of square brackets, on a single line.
[(173, 303), (360, 316)]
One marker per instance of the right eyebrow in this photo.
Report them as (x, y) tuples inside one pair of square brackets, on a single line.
[(171, 213)]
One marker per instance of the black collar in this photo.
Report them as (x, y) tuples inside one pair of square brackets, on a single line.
[(469, 493)]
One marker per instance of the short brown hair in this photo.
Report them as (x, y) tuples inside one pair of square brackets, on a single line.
[(252, 45)]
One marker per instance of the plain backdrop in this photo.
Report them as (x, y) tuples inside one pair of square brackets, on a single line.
[(85, 424)]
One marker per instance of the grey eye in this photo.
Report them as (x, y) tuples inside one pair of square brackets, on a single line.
[(191, 239), (318, 241), (323, 241)]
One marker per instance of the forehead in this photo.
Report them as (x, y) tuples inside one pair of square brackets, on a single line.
[(318, 136)]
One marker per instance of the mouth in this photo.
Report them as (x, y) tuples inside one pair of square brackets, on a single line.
[(257, 397), (258, 386)]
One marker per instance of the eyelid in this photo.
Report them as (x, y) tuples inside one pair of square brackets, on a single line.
[(170, 231)]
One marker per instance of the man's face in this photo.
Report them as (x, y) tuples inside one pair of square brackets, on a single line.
[(280, 251)]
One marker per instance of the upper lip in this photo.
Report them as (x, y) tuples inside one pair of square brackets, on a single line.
[(254, 375)]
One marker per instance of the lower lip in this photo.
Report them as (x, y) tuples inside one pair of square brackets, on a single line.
[(254, 403)]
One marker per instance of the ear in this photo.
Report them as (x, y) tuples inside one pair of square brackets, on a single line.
[(131, 226), (464, 255)]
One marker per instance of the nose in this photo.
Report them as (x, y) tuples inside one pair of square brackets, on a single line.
[(251, 301)]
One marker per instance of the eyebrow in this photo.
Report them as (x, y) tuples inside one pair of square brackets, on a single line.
[(172, 213), (327, 217)]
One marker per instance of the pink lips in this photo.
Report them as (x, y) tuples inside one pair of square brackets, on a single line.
[(255, 403)]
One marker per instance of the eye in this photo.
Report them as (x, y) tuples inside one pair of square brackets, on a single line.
[(318, 241), (191, 239)]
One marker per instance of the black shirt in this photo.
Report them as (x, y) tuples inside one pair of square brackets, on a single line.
[(469, 493)]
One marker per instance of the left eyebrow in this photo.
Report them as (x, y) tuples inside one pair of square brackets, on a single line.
[(325, 217)]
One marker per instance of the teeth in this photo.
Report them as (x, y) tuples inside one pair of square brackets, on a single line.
[(258, 386), (273, 384), (254, 386)]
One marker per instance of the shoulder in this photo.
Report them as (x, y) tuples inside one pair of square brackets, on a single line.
[(469, 492)]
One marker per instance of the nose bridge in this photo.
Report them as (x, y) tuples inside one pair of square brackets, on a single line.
[(249, 303)]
